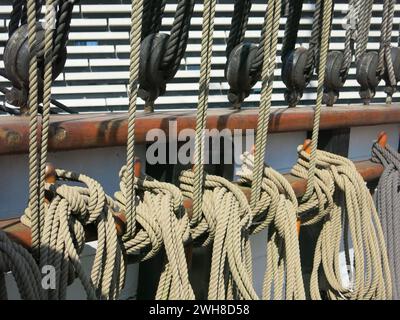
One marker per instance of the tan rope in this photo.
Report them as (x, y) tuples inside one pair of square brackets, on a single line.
[(161, 222), (33, 129), (63, 239), (337, 178), (135, 38)]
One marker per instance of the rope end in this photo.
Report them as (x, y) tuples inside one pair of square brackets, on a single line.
[(307, 146), (382, 139)]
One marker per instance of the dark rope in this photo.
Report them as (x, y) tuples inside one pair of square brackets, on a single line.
[(387, 200), (238, 25), (177, 42), (63, 25), (16, 15), (152, 17), (292, 27)]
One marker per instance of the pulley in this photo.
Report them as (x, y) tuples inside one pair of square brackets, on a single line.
[(367, 75), (152, 79), (295, 76), (161, 54), (238, 73), (16, 64), (334, 77)]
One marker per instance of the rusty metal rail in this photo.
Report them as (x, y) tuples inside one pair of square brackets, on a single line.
[(17, 231), (72, 132)]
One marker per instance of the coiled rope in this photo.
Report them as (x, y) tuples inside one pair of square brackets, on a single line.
[(20, 262), (155, 216), (387, 202), (63, 239), (222, 214), (331, 178)]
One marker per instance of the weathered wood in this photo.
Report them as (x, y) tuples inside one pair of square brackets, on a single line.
[(72, 132), (17, 231)]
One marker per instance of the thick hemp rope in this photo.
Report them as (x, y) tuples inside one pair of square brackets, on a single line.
[(385, 62), (227, 220), (71, 209), (387, 200), (337, 179), (20, 263), (332, 179), (155, 216)]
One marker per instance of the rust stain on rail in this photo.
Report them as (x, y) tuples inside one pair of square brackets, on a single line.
[(73, 132)]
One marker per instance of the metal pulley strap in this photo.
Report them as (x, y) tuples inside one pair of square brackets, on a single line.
[(161, 54)]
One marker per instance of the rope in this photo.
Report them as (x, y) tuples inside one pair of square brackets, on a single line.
[(326, 21), (162, 221), (336, 178), (135, 37), (157, 217), (292, 27), (23, 267), (16, 15), (33, 130), (387, 204), (63, 25), (239, 22), (385, 62), (331, 181), (222, 215), (177, 42), (204, 82), (63, 238), (364, 9), (45, 122)]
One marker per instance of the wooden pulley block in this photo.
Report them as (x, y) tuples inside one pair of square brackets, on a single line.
[(334, 77), (16, 64), (237, 72), (367, 75), (295, 76)]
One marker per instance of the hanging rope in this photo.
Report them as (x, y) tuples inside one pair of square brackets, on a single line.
[(154, 210), (36, 217), (387, 204), (331, 178), (222, 215)]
